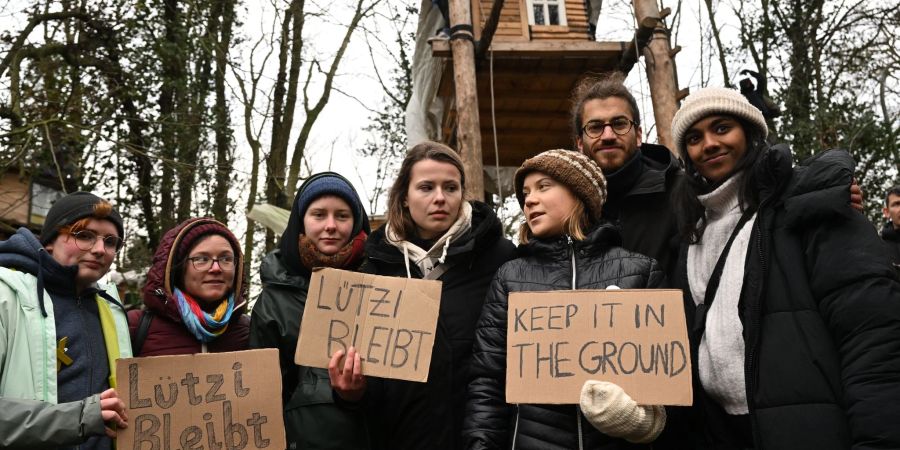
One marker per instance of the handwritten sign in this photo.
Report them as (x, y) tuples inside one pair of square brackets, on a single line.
[(203, 401), (390, 321), (637, 339)]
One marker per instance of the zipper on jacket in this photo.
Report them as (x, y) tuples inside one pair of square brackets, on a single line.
[(515, 429), (572, 249), (750, 365), (574, 284), (580, 434)]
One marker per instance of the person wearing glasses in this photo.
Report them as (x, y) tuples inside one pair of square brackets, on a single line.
[(606, 127), (195, 297), (641, 177), (60, 331)]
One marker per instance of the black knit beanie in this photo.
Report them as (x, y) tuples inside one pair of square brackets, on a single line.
[(70, 209)]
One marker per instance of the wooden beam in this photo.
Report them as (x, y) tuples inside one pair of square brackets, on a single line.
[(636, 46), (468, 131), (490, 27), (543, 49)]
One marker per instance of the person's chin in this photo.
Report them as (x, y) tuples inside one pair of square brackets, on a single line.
[(212, 296), (90, 275), (610, 160)]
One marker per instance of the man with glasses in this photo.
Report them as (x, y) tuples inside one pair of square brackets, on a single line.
[(639, 176), (60, 332)]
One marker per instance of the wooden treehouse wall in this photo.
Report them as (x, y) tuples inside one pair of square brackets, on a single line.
[(513, 23)]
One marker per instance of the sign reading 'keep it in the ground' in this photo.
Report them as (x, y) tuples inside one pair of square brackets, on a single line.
[(637, 339)]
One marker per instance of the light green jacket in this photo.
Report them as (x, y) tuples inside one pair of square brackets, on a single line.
[(29, 414)]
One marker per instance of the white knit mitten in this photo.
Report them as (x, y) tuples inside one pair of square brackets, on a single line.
[(609, 409)]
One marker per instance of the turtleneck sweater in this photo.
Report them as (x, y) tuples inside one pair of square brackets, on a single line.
[(721, 353)]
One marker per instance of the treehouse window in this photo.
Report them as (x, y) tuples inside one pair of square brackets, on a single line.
[(546, 12)]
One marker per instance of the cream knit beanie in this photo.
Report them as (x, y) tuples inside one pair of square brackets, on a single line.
[(576, 171), (714, 100)]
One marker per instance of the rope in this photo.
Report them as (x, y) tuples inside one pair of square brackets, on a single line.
[(494, 127)]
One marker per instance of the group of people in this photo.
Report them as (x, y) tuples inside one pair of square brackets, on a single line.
[(792, 302)]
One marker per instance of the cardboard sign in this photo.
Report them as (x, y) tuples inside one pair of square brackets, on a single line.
[(207, 400), (637, 339), (390, 321)]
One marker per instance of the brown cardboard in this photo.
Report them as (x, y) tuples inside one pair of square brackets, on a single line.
[(391, 321), (206, 400), (579, 332)]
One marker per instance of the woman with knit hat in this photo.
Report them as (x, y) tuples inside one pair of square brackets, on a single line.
[(195, 297), (793, 306), (431, 232), (565, 245), (327, 227), (61, 330)]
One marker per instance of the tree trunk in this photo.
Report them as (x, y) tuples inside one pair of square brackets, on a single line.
[(222, 124)]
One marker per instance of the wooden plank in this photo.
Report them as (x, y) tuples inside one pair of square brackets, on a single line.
[(526, 31), (476, 18)]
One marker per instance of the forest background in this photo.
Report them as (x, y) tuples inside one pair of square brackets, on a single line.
[(181, 108)]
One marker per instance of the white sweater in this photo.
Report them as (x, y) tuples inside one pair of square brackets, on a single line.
[(721, 353)]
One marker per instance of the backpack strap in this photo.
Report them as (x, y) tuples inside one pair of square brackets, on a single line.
[(141, 336)]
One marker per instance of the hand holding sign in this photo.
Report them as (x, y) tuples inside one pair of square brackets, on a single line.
[(612, 411), (348, 382), (390, 322), (112, 409)]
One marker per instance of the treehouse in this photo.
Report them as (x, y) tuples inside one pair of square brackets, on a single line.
[(23, 202), (507, 71)]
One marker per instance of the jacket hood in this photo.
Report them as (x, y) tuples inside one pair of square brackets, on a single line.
[(599, 239), (273, 270), (158, 292), (486, 229), (290, 250), (23, 252), (647, 172), (818, 189), (659, 157)]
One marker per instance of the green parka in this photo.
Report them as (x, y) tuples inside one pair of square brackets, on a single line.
[(30, 416), (311, 418)]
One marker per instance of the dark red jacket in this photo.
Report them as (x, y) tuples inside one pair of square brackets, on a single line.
[(167, 335)]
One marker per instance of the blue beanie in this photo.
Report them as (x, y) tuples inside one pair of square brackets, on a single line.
[(330, 183)]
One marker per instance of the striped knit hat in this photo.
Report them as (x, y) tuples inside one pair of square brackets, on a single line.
[(578, 172)]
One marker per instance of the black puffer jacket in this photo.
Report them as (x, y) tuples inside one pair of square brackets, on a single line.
[(821, 313), (544, 266), (408, 415), (638, 203)]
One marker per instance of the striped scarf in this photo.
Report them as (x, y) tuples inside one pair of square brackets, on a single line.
[(204, 326)]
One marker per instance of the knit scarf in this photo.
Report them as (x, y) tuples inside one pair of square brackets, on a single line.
[(346, 257), (437, 254), (204, 326)]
